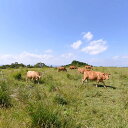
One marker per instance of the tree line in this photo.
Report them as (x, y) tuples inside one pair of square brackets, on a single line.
[(40, 65), (17, 65)]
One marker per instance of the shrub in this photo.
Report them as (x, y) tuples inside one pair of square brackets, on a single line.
[(17, 76), (60, 100), (43, 117), (5, 100)]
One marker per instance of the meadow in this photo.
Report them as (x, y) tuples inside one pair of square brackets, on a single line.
[(62, 101)]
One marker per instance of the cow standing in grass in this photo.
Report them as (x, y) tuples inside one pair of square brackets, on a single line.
[(33, 75), (89, 67), (97, 76), (81, 70), (73, 67), (61, 69)]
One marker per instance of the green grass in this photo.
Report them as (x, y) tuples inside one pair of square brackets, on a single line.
[(62, 101), (43, 117), (5, 99)]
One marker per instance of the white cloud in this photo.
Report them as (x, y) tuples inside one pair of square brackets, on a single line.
[(95, 47), (76, 44), (48, 51), (120, 60), (25, 57), (120, 57), (32, 58), (63, 59), (32, 55), (115, 57), (68, 55), (88, 36)]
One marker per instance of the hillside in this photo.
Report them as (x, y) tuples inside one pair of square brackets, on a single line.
[(77, 63)]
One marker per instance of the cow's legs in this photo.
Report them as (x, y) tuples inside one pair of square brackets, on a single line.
[(28, 79), (84, 80), (38, 80), (97, 83), (104, 84)]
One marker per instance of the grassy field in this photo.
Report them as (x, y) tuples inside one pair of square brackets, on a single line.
[(62, 101)]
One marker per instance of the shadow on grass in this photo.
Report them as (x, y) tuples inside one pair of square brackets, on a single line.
[(108, 86)]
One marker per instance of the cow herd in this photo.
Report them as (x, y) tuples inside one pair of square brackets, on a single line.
[(87, 71)]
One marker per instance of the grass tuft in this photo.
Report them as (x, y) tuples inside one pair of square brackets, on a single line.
[(60, 100), (5, 99), (17, 76), (43, 117)]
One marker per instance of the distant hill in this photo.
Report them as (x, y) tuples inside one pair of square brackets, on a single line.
[(77, 63)]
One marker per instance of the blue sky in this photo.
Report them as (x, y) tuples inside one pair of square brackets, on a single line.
[(58, 31)]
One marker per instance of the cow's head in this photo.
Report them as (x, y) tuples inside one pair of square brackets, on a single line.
[(81, 70), (106, 76)]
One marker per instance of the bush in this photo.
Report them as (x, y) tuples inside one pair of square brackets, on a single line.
[(43, 117), (17, 76), (77, 63), (60, 100), (5, 100)]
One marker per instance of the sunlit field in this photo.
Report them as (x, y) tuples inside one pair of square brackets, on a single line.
[(62, 101)]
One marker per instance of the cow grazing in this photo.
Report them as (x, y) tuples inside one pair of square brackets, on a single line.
[(33, 75), (97, 76), (61, 69), (81, 70), (89, 67), (73, 67)]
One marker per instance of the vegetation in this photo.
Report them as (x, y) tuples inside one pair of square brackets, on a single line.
[(13, 65), (17, 76), (5, 99), (16, 65), (62, 101), (77, 63), (42, 117)]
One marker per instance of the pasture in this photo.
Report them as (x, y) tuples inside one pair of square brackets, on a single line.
[(62, 101)]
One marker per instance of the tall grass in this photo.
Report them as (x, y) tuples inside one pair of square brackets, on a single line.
[(43, 117), (5, 99), (62, 101)]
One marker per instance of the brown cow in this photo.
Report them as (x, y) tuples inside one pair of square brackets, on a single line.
[(98, 76), (73, 67), (89, 67), (61, 69), (81, 70), (33, 75)]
